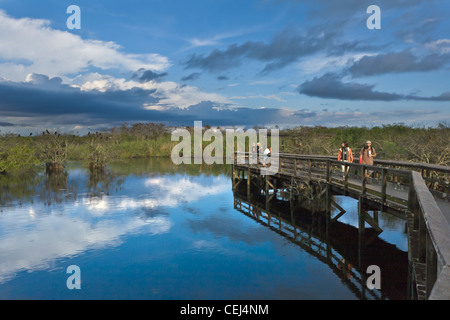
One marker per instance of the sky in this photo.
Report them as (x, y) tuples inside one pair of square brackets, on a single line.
[(227, 63)]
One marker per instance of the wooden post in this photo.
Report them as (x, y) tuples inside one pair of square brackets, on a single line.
[(248, 184), (295, 167), (383, 185), (346, 176), (329, 171), (279, 164), (363, 185), (411, 193), (309, 168)]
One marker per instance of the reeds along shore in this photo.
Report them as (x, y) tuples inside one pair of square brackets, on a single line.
[(144, 140)]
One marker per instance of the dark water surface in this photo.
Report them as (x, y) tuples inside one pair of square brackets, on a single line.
[(147, 229)]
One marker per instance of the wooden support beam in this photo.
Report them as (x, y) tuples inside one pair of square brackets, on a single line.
[(371, 222), (340, 214), (236, 177)]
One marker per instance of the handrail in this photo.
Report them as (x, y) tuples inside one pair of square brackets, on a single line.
[(439, 185), (418, 165), (434, 235), (430, 225)]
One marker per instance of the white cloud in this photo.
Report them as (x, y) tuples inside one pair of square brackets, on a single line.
[(322, 63), (170, 94), (260, 96), (216, 39), (441, 46), (32, 46), (35, 248), (28, 242)]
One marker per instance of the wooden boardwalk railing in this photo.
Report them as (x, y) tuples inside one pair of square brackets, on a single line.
[(397, 186)]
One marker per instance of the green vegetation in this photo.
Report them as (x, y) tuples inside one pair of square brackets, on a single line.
[(147, 140), (17, 156), (391, 142)]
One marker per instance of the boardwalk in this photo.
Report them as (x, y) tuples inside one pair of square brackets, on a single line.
[(417, 192)]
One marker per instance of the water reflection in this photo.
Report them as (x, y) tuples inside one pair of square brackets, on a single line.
[(18, 188), (345, 248), (149, 229), (46, 217)]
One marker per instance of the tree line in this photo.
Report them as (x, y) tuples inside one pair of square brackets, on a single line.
[(145, 140)]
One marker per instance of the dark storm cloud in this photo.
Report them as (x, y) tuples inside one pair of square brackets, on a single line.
[(143, 75), (223, 78), (6, 124), (48, 101), (397, 62), (331, 86), (443, 97), (191, 77), (286, 47), (47, 104), (330, 36), (42, 100)]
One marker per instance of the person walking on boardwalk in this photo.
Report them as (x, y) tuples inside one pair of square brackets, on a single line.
[(345, 154), (366, 155)]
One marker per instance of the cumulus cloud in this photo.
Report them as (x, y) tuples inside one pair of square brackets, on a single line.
[(441, 46), (164, 94), (58, 53)]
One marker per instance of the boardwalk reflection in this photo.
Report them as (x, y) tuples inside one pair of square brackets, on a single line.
[(347, 250)]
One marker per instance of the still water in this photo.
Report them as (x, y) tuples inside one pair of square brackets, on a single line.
[(147, 229)]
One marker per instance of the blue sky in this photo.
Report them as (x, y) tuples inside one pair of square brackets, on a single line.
[(223, 62)]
